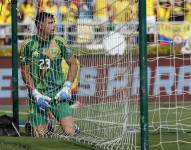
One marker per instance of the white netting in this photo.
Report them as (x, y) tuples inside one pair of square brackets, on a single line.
[(168, 78), (107, 49), (103, 34)]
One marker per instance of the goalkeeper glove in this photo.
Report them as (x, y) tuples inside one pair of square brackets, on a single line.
[(42, 101), (65, 93)]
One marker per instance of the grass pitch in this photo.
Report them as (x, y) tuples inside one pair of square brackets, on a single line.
[(30, 143), (169, 129)]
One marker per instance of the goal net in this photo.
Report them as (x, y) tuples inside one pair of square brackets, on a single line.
[(103, 35), (106, 46), (169, 75)]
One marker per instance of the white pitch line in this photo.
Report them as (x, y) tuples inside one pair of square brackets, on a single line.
[(6, 111)]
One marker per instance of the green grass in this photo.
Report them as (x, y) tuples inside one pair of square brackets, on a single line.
[(30, 143), (7, 109), (169, 124), (168, 138)]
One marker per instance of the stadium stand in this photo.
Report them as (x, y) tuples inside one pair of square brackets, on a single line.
[(103, 15)]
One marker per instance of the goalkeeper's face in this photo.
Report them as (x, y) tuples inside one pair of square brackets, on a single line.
[(48, 26)]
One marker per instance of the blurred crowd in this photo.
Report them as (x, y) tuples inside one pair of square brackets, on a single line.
[(70, 13), (67, 11), (114, 13), (169, 10)]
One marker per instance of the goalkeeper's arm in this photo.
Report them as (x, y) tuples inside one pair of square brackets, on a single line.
[(73, 68), (25, 71), (65, 93), (41, 100)]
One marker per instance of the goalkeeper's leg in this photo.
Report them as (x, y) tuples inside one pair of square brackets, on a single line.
[(67, 124), (40, 130), (38, 120), (63, 113)]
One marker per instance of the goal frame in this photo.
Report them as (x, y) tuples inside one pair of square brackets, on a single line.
[(14, 42), (143, 74), (142, 63)]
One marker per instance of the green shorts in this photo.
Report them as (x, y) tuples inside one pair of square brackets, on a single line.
[(60, 111)]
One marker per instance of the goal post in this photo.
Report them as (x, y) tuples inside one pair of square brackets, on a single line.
[(143, 75), (133, 94), (15, 94), (109, 116)]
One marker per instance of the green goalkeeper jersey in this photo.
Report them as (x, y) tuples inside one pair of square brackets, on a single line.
[(44, 59)]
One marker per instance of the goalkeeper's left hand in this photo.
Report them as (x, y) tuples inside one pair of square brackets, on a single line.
[(65, 93)]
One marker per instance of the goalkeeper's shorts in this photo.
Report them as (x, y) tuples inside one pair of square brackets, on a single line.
[(59, 110)]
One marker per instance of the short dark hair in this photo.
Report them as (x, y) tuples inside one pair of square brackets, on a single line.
[(41, 16)]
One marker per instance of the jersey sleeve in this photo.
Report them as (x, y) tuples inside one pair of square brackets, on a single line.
[(65, 49), (24, 53), (76, 79), (67, 53)]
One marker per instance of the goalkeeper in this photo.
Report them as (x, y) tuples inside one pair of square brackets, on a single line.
[(41, 67)]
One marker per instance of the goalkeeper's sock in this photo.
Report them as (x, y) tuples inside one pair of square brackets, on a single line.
[(77, 129)]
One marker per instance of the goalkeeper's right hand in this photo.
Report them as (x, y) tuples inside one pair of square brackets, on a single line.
[(42, 101), (64, 94)]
